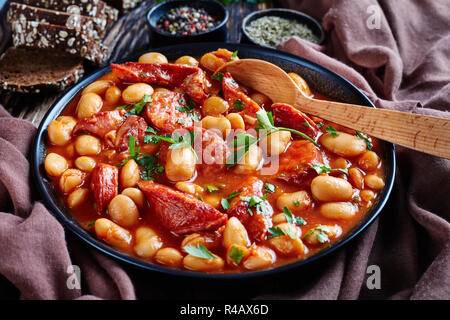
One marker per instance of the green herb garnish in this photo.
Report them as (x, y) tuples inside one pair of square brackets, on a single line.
[(211, 188), (146, 161), (224, 201), (234, 55), (257, 203), (265, 121), (236, 254), (332, 130), (199, 251), (137, 108), (366, 139), (288, 214), (320, 168), (239, 105), (322, 235), (278, 232), (269, 187), (242, 142), (218, 77)]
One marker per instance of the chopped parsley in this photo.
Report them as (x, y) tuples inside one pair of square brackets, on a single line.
[(177, 140), (299, 221), (137, 108), (91, 224), (320, 168), (306, 124), (225, 204), (218, 77), (322, 234), (366, 139), (332, 130), (199, 251), (240, 145), (269, 187), (320, 124), (265, 121), (288, 214), (257, 203), (291, 219), (188, 108), (150, 130), (234, 55), (242, 142), (278, 232), (236, 254), (296, 203), (239, 105), (224, 201), (146, 161), (211, 188)]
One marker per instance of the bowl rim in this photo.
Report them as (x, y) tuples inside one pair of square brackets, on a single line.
[(266, 12), (189, 36), (72, 225)]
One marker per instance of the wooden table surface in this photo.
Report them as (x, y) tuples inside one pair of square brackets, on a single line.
[(128, 35)]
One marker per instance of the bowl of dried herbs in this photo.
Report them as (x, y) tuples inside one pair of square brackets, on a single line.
[(270, 27)]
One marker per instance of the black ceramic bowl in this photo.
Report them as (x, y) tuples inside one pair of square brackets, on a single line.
[(319, 78), (301, 17), (160, 38)]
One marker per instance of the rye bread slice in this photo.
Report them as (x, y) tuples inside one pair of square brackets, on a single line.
[(33, 71), (49, 36), (92, 8), (78, 22)]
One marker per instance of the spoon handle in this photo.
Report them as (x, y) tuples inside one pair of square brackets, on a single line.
[(422, 133)]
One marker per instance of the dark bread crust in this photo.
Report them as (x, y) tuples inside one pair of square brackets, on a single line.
[(78, 22), (48, 36), (32, 71), (92, 8)]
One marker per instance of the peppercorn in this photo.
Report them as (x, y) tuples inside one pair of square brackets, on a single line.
[(186, 20)]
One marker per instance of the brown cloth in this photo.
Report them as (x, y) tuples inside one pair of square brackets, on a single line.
[(405, 64), (34, 256)]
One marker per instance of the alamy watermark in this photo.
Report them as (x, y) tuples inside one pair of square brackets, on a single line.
[(74, 279), (374, 277), (374, 19)]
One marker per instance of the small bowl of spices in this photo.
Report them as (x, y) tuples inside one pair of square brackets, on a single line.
[(173, 22), (270, 27)]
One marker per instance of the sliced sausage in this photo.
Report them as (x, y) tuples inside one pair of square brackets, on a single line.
[(167, 111), (195, 86), (179, 212), (133, 126), (101, 123), (104, 185), (162, 74), (299, 172), (256, 224), (232, 92), (289, 117)]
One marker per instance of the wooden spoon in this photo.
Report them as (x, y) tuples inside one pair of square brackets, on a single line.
[(423, 133)]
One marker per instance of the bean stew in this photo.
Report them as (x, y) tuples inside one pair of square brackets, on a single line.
[(184, 167)]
